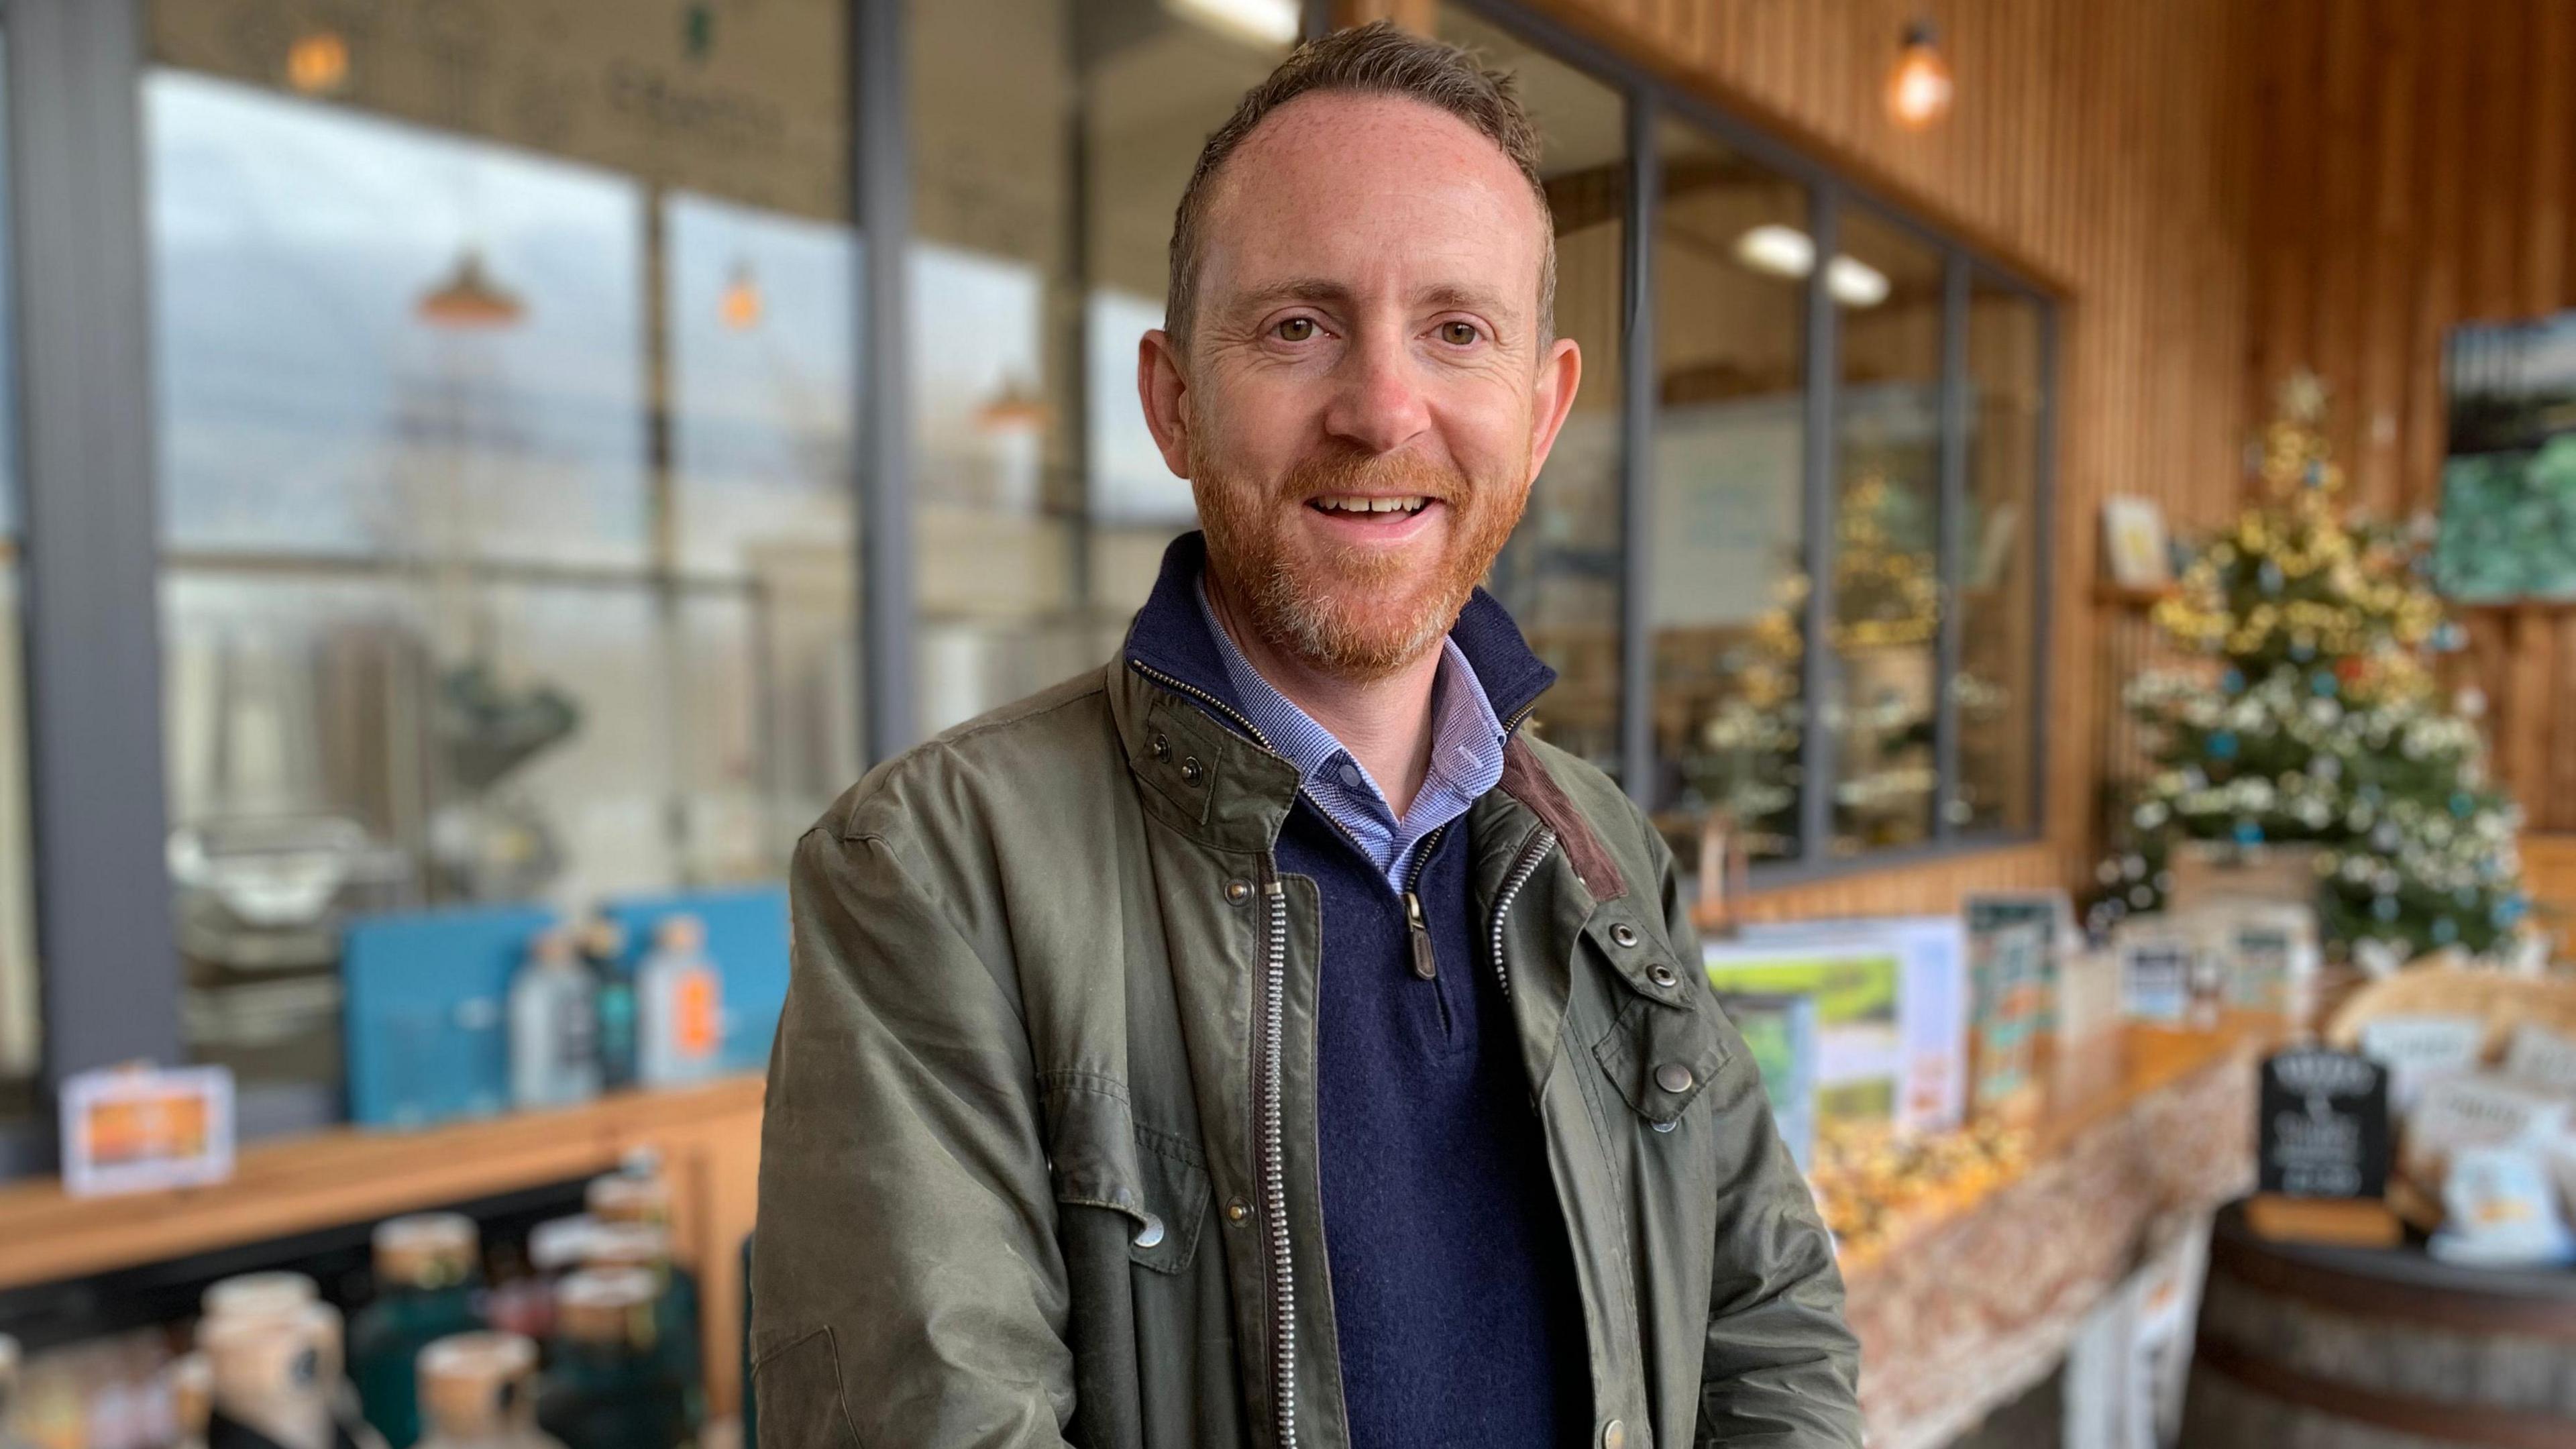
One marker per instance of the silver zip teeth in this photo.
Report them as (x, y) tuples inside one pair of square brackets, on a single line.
[(1210, 700), (1527, 866), (1274, 1173)]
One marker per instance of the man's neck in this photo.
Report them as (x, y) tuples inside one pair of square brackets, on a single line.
[(1385, 722)]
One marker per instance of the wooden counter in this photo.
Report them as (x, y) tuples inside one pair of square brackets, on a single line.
[(2140, 1133), (1959, 1310), (708, 1137)]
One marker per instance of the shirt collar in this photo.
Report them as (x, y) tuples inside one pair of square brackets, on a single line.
[(1466, 734), (1173, 637)]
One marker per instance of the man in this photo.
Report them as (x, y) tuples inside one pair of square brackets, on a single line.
[(1264, 1041)]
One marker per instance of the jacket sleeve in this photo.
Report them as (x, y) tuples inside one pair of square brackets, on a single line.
[(907, 1284), (1781, 1368)]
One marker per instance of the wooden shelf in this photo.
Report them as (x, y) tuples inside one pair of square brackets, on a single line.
[(2123, 596), (344, 1175), (709, 1138)]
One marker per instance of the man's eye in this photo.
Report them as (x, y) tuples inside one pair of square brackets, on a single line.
[(1458, 334), (1296, 329)]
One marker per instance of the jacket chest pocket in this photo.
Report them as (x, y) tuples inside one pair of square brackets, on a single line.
[(1100, 1156), (1661, 1049)]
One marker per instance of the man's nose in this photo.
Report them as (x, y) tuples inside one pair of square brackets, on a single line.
[(1378, 402)]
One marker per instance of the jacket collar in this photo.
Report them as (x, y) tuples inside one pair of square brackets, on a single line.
[(1170, 637)]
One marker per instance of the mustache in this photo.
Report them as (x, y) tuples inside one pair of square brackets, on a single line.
[(1351, 471)]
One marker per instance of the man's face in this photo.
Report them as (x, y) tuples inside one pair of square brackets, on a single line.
[(1366, 396)]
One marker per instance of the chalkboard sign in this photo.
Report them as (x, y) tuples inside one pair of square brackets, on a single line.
[(2324, 1130)]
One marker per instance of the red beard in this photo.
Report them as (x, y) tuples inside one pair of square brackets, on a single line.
[(1352, 611)]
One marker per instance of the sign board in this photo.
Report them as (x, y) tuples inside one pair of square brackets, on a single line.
[(2324, 1125)]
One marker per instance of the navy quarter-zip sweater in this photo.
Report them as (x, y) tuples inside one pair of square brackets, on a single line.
[(1453, 1288)]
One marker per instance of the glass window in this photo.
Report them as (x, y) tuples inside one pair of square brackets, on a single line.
[(1051, 142), (506, 396), (1561, 575), (20, 1029), (1998, 590), (1729, 577), (1886, 577)]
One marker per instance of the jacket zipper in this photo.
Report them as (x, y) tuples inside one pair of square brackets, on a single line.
[(1270, 1152), (1268, 1079), (1522, 869), (1210, 700)]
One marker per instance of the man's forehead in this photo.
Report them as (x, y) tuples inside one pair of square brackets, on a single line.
[(1336, 191)]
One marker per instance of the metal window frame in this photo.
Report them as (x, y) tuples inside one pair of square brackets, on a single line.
[(88, 481), (1832, 194)]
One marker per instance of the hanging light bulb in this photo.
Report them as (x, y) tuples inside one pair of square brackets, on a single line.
[(318, 64), (1014, 409), (469, 299), (740, 306), (1918, 89)]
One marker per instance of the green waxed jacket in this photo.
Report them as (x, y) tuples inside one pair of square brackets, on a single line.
[(1038, 1162)]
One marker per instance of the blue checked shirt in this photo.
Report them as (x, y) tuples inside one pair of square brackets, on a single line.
[(1466, 755)]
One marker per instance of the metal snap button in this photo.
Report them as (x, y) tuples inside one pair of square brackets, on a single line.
[(1661, 975), (1238, 890), (1162, 747), (1191, 769), (1151, 1233), (1614, 1435), (1667, 1126), (1624, 934), (1673, 1077), (1236, 1210)]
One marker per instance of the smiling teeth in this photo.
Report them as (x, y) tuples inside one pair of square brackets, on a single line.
[(1347, 504)]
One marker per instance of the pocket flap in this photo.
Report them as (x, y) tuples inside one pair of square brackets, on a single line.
[(1659, 1053), (1101, 1156)]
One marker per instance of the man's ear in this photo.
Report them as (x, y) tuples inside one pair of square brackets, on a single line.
[(1162, 385), (1560, 371)]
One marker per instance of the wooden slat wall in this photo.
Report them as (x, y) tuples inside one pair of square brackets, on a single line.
[(2103, 148), (2418, 172)]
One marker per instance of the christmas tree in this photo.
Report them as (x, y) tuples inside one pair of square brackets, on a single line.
[(2309, 715)]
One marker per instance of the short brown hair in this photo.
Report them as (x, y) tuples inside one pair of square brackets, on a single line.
[(1372, 59)]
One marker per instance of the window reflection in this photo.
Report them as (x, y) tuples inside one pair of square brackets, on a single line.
[(20, 1031), (506, 480), (1729, 581), (1561, 573), (1999, 575), (1886, 579), (1051, 142)]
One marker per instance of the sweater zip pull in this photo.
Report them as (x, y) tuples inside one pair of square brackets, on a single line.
[(1424, 965)]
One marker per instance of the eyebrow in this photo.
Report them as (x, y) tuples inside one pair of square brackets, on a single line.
[(1324, 291)]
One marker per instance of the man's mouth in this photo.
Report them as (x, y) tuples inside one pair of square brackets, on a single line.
[(1355, 504)]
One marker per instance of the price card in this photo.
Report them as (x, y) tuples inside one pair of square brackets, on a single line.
[(2324, 1125), (138, 1129)]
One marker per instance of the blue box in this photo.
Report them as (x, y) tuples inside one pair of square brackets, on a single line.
[(426, 1011)]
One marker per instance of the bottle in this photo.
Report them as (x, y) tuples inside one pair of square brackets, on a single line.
[(646, 1248), (680, 1007), (427, 1267), (554, 1027), (277, 1381), (609, 1388), (255, 1293), (192, 1399), (636, 1192), (478, 1391), (603, 955)]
